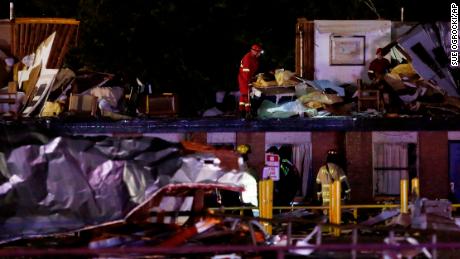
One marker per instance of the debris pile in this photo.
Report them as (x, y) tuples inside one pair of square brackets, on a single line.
[(61, 186), (419, 82)]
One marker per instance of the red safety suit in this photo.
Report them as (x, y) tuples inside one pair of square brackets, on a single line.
[(378, 68), (248, 67)]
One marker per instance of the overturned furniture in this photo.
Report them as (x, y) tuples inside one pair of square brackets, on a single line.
[(367, 98)]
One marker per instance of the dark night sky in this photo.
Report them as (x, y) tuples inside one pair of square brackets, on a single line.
[(184, 45)]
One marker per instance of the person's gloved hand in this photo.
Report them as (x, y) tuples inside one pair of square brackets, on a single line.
[(318, 201)]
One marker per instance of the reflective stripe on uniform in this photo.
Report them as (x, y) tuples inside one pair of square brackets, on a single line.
[(246, 70)]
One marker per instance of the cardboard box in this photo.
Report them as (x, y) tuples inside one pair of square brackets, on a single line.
[(161, 105), (85, 105)]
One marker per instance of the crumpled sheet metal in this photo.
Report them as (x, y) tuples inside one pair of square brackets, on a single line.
[(71, 183), (173, 197), (198, 172)]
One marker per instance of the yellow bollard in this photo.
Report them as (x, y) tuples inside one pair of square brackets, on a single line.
[(337, 206), (338, 202), (404, 195), (262, 199), (415, 190), (331, 207), (331, 203), (266, 202)]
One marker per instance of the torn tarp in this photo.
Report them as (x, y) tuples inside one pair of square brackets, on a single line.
[(70, 183), (325, 86)]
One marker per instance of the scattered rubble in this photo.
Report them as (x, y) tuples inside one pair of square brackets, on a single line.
[(419, 83)]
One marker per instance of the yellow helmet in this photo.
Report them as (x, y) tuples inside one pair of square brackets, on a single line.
[(243, 149)]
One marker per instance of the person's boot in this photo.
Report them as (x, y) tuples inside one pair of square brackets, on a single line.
[(241, 114), (248, 115)]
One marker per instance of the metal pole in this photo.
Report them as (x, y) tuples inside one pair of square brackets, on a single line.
[(319, 235), (354, 239), (402, 14), (289, 233), (434, 240), (253, 236), (301, 50)]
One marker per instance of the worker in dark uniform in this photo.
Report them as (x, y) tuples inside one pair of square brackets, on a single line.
[(286, 188), (248, 67)]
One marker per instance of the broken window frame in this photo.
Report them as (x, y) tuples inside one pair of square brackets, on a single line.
[(409, 169)]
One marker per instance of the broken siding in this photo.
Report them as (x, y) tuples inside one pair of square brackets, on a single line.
[(425, 48)]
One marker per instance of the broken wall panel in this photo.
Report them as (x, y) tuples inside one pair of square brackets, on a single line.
[(423, 44), (304, 49)]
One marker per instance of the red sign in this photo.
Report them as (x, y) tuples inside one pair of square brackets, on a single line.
[(272, 160)]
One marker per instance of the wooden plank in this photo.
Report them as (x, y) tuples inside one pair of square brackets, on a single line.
[(304, 49), (68, 21)]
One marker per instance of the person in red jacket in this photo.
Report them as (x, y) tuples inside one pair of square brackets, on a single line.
[(379, 66), (248, 67)]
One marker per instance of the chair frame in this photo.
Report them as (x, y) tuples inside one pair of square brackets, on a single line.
[(368, 96)]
